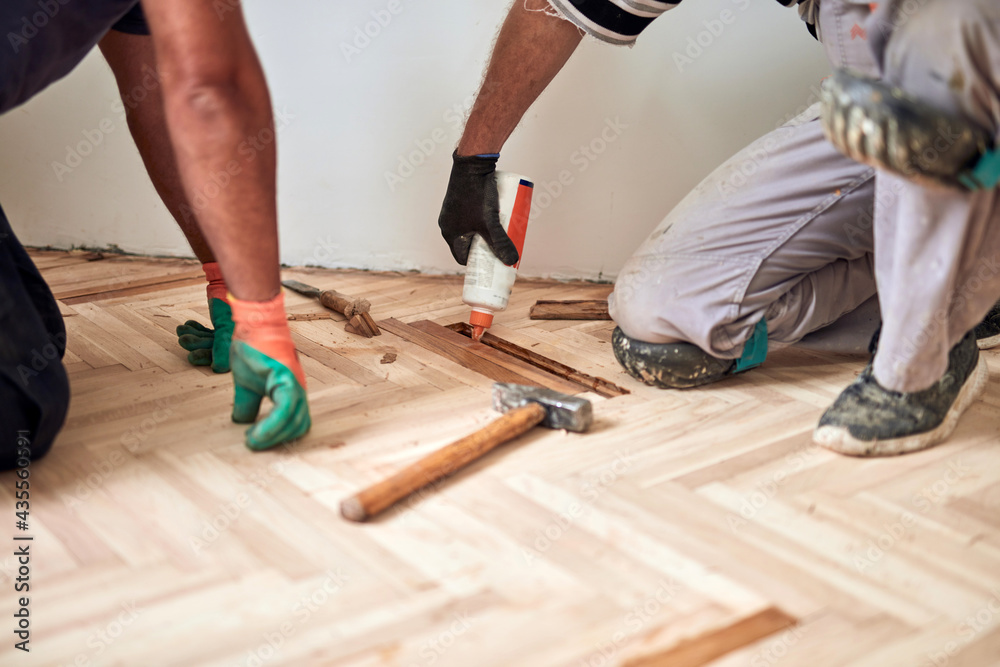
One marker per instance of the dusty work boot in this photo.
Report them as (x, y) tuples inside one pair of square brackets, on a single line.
[(988, 331), (668, 365), (869, 420)]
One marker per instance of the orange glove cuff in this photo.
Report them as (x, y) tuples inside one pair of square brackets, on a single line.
[(263, 326), (216, 284)]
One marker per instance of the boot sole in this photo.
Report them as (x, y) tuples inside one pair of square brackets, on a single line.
[(840, 440), (988, 343)]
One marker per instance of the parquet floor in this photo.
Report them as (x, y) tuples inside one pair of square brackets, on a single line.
[(682, 527)]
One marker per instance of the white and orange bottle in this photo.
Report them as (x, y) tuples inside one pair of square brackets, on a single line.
[(488, 281)]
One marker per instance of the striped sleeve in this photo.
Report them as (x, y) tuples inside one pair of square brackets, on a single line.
[(621, 21), (808, 9), (613, 21)]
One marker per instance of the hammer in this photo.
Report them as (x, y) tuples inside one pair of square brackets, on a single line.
[(524, 407)]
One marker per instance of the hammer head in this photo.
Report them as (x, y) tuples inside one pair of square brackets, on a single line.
[(561, 410)]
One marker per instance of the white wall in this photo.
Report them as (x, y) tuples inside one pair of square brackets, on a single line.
[(351, 121)]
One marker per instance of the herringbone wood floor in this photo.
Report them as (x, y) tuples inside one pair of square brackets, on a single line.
[(683, 526)]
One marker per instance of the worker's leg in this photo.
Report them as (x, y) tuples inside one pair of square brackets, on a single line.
[(937, 249), (34, 390), (133, 62), (782, 232), (940, 243)]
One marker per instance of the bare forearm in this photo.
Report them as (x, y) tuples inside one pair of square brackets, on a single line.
[(223, 137), (531, 49), (218, 111)]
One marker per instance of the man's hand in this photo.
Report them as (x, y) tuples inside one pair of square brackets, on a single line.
[(472, 206), (265, 364), (257, 375), (209, 347)]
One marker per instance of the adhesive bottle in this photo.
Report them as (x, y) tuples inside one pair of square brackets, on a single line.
[(488, 281)]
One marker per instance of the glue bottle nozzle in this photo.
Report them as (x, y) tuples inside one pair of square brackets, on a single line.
[(481, 320)]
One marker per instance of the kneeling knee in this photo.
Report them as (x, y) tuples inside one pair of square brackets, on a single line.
[(35, 414)]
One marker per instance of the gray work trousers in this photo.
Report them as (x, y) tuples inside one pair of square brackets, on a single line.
[(792, 231)]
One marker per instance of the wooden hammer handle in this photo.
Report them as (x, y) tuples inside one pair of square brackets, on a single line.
[(441, 463), (343, 304)]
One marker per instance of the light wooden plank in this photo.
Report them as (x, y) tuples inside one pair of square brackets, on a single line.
[(673, 532)]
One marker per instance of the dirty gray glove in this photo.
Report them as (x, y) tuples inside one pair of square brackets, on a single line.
[(879, 125), (472, 206)]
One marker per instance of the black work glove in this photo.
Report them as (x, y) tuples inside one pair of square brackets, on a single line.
[(472, 206)]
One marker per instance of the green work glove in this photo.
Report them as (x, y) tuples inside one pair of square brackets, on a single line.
[(257, 375), (209, 347), (265, 363)]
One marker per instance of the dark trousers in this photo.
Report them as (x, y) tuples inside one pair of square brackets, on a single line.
[(34, 389)]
